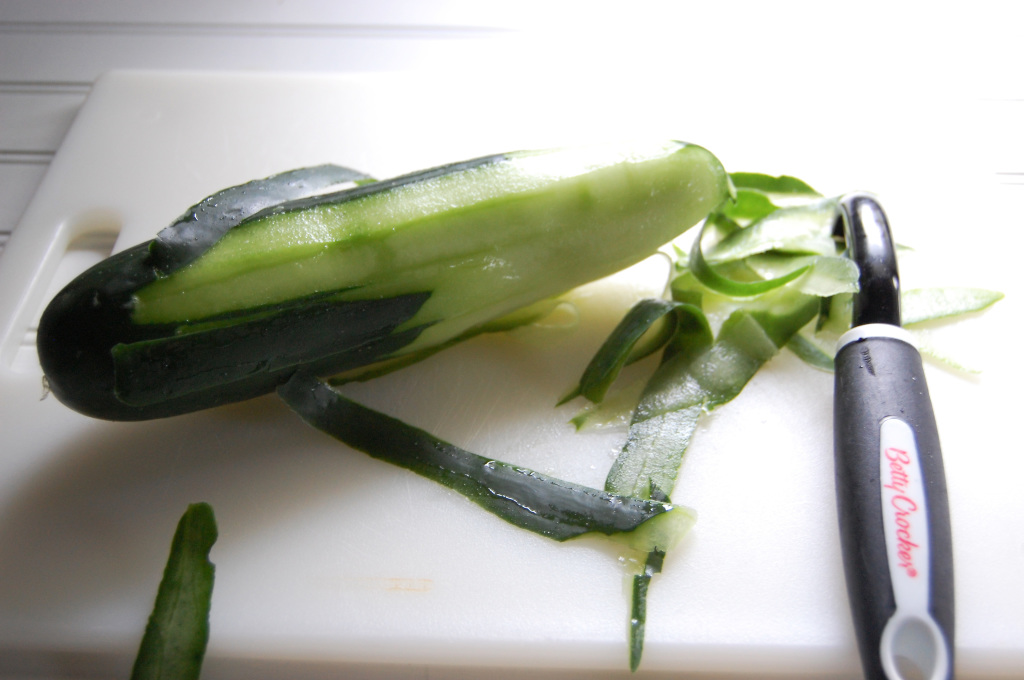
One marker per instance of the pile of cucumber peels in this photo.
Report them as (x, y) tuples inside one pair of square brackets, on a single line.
[(767, 270), (765, 273)]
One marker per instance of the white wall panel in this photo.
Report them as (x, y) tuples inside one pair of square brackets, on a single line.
[(434, 13), (82, 57), (34, 121)]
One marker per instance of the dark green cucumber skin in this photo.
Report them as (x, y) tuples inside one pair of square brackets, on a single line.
[(551, 507), (89, 318), (81, 325), (316, 332)]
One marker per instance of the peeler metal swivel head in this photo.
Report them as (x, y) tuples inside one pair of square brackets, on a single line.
[(890, 484)]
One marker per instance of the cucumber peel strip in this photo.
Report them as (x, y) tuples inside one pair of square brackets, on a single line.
[(542, 504), (638, 597), (174, 643), (618, 350), (692, 381), (748, 205), (929, 304), (796, 229), (718, 283), (810, 353), (767, 184)]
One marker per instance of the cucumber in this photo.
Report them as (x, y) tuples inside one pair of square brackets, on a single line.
[(262, 279)]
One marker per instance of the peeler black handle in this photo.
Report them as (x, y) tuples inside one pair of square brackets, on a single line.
[(890, 484)]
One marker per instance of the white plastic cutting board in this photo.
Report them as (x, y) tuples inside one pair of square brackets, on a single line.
[(328, 557)]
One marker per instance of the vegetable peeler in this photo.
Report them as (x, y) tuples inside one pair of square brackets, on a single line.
[(890, 485)]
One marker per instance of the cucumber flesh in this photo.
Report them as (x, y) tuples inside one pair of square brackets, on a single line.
[(485, 239)]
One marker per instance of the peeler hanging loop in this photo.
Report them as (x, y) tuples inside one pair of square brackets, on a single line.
[(863, 225)]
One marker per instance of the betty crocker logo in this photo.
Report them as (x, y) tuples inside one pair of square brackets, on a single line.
[(903, 506)]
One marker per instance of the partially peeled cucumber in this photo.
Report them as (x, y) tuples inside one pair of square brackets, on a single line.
[(288, 273)]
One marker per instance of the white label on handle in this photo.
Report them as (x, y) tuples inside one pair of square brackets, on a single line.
[(904, 514), (912, 643)]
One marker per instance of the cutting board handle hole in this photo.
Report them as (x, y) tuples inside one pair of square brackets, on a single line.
[(90, 238)]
